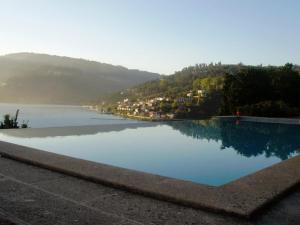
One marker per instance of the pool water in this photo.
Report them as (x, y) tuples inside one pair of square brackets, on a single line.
[(212, 152)]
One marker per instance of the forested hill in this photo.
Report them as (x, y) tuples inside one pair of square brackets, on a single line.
[(181, 82), (41, 78), (206, 90), (177, 84)]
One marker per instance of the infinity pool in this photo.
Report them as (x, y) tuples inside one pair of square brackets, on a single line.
[(212, 152)]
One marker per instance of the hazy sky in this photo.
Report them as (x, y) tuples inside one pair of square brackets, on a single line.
[(155, 35)]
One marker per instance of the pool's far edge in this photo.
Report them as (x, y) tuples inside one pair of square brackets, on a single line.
[(243, 197)]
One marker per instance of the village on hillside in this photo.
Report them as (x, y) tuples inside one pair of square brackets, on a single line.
[(159, 108)]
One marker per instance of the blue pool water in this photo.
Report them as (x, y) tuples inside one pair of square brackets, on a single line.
[(212, 152)]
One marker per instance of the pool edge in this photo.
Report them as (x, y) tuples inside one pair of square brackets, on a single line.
[(279, 120), (243, 197)]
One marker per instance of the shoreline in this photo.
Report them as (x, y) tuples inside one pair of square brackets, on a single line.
[(281, 120), (146, 118)]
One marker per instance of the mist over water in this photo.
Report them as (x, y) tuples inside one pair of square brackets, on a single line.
[(39, 116)]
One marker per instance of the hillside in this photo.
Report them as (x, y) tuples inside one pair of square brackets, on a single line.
[(206, 90), (182, 81), (41, 78), (176, 85)]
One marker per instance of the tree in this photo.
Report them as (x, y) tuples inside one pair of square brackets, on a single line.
[(252, 86), (165, 107)]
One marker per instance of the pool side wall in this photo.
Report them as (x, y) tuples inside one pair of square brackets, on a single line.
[(264, 119)]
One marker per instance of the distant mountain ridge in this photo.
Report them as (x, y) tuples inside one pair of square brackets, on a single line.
[(48, 79)]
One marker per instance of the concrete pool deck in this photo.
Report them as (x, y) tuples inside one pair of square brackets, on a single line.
[(244, 197), (31, 195)]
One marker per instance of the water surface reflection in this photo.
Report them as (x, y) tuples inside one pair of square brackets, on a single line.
[(212, 152), (247, 138)]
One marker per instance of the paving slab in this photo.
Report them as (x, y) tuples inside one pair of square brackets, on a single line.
[(7, 219), (159, 212), (38, 207), (2, 177), (122, 203), (286, 211), (5, 222), (28, 175), (81, 190)]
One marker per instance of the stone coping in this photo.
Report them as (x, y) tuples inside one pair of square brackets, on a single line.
[(243, 197), (265, 119)]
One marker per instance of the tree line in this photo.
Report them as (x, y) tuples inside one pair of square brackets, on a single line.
[(252, 90), (260, 91)]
